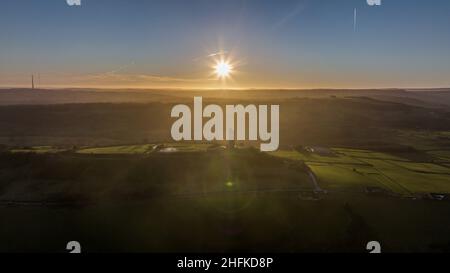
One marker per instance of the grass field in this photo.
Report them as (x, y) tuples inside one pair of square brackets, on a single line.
[(294, 155), (441, 155), (130, 149), (344, 169), (37, 176), (38, 150), (186, 147), (352, 169), (195, 198)]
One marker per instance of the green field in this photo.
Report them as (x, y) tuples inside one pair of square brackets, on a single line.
[(344, 169), (441, 155), (130, 149), (38, 150), (352, 169), (202, 197)]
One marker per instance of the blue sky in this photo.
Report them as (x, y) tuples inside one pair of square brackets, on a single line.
[(273, 44)]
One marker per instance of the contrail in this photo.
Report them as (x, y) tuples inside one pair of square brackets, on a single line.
[(291, 15), (355, 14), (121, 68), (112, 72), (211, 55), (216, 54)]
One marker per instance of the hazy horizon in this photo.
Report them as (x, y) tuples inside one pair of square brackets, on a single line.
[(124, 88)]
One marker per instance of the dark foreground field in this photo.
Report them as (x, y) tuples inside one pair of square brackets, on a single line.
[(269, 222), (196, 201)]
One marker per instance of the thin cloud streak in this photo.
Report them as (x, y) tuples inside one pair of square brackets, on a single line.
[(291, 15), (219, 53), (122, 68), (140, 78)]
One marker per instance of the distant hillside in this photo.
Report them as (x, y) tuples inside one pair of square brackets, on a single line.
[(319, 121), (426, 98)]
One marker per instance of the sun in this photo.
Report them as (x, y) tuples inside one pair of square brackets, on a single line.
[(223, 69)]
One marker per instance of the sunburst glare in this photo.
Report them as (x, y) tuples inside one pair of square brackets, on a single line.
[(223, 69)]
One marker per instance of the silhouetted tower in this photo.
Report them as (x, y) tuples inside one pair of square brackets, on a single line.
[(32, 81)]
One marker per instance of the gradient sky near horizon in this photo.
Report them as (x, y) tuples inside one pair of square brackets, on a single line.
[(273, 44)]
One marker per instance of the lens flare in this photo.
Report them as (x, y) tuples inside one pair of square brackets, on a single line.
[(223, 69)]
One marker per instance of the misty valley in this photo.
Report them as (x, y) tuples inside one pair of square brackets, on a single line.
[(99, 170)]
